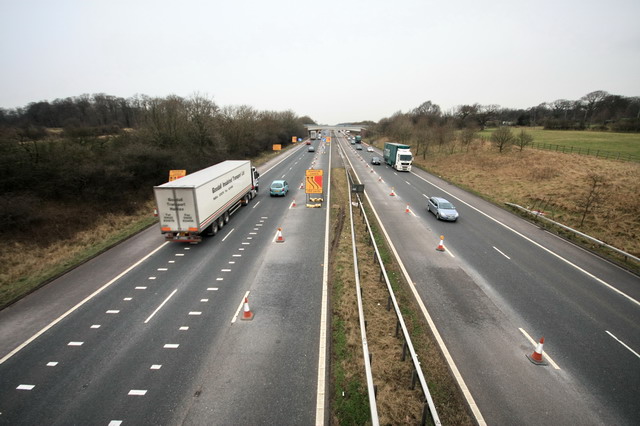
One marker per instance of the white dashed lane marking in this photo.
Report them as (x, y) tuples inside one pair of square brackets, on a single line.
[(52, 364), (75, 343), (95, 326), (155, 367), (113, 311), (195, 313), (141, 288), (184, 328), (25, 387), (171, 345), (137, 392)]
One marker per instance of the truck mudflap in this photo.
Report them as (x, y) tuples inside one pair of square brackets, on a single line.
[(183, 237)]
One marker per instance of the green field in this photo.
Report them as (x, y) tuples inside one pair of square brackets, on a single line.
[(624, 143)]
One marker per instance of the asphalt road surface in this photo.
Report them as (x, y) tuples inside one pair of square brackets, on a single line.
[(501, 279), (159, 339)]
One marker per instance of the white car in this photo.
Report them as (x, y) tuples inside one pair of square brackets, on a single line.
[(369, 149)]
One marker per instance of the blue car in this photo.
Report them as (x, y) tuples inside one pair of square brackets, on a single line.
[(279, 187)]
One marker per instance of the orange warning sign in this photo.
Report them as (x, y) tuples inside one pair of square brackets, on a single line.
[(313, 179)]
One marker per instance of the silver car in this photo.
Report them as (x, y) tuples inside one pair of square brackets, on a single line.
[(442, 208)]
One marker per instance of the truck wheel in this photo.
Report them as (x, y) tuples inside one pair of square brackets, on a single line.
[(220, 222), (226, 217), (213, 229)]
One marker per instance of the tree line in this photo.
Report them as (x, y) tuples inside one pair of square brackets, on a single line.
[(104, 154)]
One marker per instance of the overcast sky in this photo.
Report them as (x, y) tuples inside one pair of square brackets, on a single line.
[(334, 60)]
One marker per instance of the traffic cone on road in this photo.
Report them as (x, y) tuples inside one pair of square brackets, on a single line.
[(247, 314), (379, 178), (407, 209), (279, 237), (441, 245), (294, 203), (393, 194), (301, 185), (536, 356)]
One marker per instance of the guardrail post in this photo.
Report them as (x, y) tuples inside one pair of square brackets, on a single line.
[(425, 409), (404, 350), (414, 376), (397, 328), (381, 276), (389, 304)]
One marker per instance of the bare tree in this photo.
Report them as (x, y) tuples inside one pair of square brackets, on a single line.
[(502, 137), (593, 196), (523, 139), (467, 135)]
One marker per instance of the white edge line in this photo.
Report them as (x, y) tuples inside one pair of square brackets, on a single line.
[(85, 300), (322, 346), (623, 344), (445, 351), (534, 344), (235, 317), (589, 274), (161, 305), (228, 233)]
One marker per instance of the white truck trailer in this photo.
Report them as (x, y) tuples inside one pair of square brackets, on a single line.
[(202, 202)]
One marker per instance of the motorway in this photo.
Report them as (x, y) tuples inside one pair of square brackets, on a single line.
[(501, 279), (149, 332)]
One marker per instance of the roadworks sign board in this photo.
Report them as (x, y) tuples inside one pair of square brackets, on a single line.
[(277, 147), (176, 174), (313, 179)]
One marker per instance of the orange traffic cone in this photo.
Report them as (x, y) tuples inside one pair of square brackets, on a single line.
[(294, 203), (379, 178), (536, 356), (279, 237), (393, 194), (247, 314), (441, 245), (155, 212), (407, 209)]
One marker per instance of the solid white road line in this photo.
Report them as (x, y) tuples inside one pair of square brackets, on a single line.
[(535, 344), (235, 317), (623, 344), (161, 305), (85, 300), (322, 346)]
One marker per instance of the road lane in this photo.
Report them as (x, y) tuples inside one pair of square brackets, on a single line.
[(481, 298), (152, 373)]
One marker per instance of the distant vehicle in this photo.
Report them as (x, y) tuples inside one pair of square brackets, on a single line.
[(309, 142), (312, 135), (358, 139), (442, 208), (311, 148), (375, 160), (279, 187), (398, 156), (359, 147), (203, 202), (369, 149), (353, 142)]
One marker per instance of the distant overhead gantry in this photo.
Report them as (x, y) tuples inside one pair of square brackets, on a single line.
[(350, 127)]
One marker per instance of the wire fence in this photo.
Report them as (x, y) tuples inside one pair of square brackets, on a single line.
[(622, 156)]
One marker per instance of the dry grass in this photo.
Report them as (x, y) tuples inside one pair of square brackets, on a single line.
[(26, 263), (557, 183)]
